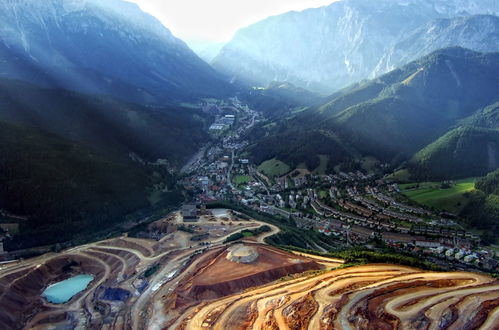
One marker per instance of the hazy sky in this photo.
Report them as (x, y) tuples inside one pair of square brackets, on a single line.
[(217, 20)]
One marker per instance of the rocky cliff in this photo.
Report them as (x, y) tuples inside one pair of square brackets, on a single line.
[(327, 48)]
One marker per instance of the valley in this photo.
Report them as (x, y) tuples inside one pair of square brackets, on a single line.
[(268, 218), (334, 167), (338, 210)]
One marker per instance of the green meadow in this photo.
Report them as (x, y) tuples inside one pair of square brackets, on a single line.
[(274, 168), (445, 196), (241, 179)]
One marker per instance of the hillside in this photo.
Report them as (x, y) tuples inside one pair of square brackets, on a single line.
[(397, 114), (279, 98), (463, 152), (302, 147), (421, 101), (66, 189), (66, 159), (482, 211), (105, 123), (101, 47), (325, 49), (487, 117)]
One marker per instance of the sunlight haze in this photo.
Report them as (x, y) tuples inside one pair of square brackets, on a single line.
[(218, 20)]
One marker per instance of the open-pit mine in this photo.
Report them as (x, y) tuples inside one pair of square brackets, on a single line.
[(181, 275), (375, 296)]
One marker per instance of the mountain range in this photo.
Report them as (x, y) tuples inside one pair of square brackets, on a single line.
[(98, 100), (396, 115), (90, 95), (328, 48), (71, 162), (101, 47)]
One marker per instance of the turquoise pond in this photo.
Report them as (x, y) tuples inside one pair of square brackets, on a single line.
[(61, 292)]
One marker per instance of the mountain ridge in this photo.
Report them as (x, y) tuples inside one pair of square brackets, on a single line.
[(328, 48), (398, 114), (97, 44)]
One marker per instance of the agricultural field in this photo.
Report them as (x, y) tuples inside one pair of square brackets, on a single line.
[(274, 168), (445, 196)]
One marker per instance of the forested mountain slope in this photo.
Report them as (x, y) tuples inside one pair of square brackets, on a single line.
[(398, 114), (66, 189)]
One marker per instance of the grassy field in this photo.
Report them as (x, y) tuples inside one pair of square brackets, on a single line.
[(241, 179), (322, 168), (433, 194), (274, 168)]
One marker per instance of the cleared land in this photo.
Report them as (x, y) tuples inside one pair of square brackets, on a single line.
[(449, 197), (192, 288), (377, 296), (141, 268), (212, 278), (274, 168)]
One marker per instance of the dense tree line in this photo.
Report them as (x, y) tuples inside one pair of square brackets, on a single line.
[(463, 152), (67, 189), (482, 210), (490, 183), (359, 256), (297, 147)]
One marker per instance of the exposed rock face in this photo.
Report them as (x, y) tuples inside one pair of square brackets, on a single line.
[(365, 297), (21, 291), (100, 47), (112, 263), (479, 33), (328, 48), (219, 275)]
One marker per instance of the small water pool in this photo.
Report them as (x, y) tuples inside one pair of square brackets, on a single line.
[(62, 292)]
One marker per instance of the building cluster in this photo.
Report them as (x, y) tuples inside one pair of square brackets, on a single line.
[(353, 207), (213, 171), (223, 122)]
